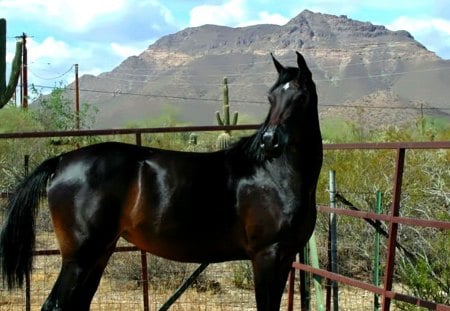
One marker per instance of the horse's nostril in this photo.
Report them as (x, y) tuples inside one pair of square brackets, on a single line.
[(275, 142), (270, 140)]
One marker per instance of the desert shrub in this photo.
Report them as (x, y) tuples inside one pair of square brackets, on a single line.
[(242, 274), (162, 273), (427, 275), (360, 173)]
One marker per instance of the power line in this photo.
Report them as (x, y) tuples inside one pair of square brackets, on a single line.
[(135, 72), (246, 74), (264, 74), (357, 45), (52, 78), (320, 67), (115, 93)]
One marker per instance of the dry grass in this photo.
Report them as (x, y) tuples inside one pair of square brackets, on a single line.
[(119, 291), (127, 295)]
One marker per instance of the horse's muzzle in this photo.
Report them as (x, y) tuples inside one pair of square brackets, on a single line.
[(270, 142)]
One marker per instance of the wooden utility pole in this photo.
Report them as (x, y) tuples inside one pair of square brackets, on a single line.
[(24, 73), (77, 98)]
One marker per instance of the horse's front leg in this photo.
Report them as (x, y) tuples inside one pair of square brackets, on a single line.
[(270, 271)]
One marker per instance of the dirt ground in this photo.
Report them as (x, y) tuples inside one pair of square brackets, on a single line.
[(124, 293), (127, 295)]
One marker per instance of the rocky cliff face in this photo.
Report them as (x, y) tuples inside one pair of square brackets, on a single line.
[(350, 60)]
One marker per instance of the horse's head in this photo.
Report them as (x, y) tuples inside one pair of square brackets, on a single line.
[(293, 100)]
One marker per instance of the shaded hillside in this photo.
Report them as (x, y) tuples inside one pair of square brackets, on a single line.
[(350, 60)]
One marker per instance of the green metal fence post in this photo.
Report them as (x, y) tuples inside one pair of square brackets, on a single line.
[(376, 257), (314, 258), (305, 282)]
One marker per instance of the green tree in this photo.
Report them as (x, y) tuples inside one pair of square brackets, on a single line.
[(56, 111), (15, 119), (12, 151)]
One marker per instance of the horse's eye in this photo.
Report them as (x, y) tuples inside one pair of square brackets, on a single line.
[(301, 97)]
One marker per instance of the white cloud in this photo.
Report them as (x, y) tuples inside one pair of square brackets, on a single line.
[(125, 51), (10, 52), (74, 16), (51, 61), (49, 49), (266, 18), (420, 25), (229, 13), (234, 13), (165, 12), (434, 33)]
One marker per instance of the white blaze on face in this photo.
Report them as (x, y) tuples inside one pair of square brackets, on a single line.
[(286, 86)]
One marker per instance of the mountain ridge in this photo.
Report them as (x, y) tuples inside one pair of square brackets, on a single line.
[(349, 59)]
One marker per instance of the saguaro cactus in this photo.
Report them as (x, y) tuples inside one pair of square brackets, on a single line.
[(223, 140), (7, 90)]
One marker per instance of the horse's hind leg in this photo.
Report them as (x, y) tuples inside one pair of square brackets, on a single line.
[(77, 282), (87, 233), (271, 269)]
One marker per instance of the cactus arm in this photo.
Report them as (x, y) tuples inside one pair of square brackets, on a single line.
[(7, 90), (15, 73), (219, 119), (226, 104), (235, 118), (2, 55)]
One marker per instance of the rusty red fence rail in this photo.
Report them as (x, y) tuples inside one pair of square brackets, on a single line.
[(393, 219)]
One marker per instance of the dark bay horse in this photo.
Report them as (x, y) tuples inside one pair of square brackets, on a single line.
[(255, 200)]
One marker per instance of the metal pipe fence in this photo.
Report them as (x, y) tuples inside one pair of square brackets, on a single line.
[(393, 219)]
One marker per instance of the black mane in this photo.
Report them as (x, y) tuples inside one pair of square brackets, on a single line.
[(248, 148)]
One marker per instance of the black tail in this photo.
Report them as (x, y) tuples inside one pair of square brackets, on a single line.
[(17, 237)]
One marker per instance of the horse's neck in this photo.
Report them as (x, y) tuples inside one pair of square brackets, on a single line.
[(304, 157), (305, 146)]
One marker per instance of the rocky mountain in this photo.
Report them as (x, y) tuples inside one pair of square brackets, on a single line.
[(359, 68)]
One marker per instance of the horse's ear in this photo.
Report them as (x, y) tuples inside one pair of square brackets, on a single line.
[(278, 66), (304, 72)]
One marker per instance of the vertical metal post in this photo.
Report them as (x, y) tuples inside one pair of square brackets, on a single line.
[(393, 228), (26, 165), (26, 169), (305, 289), (144, 281), (328, 293), (144, 270), (376, 256), (139, 139), (314, 260), (24, 78), (333, 238), (291, 289)]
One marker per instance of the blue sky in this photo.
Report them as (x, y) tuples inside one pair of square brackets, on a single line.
[(98, 35)]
